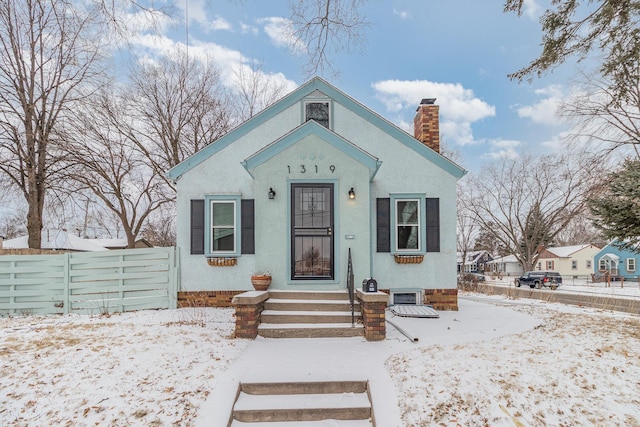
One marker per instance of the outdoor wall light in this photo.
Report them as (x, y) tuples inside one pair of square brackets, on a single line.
[(272, 193), (352, 194)]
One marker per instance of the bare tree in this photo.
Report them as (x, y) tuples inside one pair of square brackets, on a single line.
[(48, 51), (327, 26), (109, 165), (255, 91), (180, 107), (599, 115), (160, 229), (526, 202), (466, 227)]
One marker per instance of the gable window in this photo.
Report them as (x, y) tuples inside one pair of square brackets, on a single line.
[(589, 263), (574, 264), (222, 219), (549, 265), (631, 264), (318, 111)]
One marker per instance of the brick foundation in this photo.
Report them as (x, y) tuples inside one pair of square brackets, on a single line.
[(372, 307), (206, 298), (442, 299)]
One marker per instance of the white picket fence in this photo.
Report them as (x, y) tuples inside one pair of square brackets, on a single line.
[(89, 282)]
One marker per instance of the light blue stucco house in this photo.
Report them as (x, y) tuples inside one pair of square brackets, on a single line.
[(311, 178), (617, 262)]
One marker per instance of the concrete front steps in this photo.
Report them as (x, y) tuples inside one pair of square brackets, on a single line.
[(330, 403), (309, 314)]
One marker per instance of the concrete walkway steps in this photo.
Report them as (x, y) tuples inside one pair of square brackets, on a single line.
[(330, 403), (309, 314)]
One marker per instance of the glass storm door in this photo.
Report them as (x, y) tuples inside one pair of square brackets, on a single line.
[(312, 231)]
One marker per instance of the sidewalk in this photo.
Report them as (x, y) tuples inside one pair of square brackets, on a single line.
[(326, 359)]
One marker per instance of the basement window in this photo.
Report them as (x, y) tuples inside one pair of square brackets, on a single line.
[(407, 297)]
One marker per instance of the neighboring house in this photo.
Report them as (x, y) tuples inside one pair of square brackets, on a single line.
[(62, 240), (475, 263), (55, 240), (307, 181), (617, 263), (569, 261), (506, 266)]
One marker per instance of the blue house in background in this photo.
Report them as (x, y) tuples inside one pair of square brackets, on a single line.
[(617, 262)]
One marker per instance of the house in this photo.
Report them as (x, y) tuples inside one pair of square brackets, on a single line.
[(617, 263), (475, 262), (61, 240), (311, 181), (505, 266), (569, 261)]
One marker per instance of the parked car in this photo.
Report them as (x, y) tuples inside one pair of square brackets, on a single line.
[(538, 279)]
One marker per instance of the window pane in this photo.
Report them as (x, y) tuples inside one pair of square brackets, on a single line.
[(223, 239), (222, 214), (407, 237), (407, 212)]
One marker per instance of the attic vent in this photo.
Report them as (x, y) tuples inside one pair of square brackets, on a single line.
[(318, 111)]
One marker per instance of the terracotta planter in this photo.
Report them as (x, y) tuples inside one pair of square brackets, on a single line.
[(261, 283)]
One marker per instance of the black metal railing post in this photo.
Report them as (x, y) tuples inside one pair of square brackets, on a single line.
[(350, 288)]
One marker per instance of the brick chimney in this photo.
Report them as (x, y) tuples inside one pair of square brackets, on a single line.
[(426, 124)]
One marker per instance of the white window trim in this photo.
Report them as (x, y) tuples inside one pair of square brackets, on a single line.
[(629, 262), (210, 200), (420, 198)]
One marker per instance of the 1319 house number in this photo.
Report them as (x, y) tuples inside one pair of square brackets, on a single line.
[(310, 169)]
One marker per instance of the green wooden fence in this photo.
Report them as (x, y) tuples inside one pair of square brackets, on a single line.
[(89, 282)]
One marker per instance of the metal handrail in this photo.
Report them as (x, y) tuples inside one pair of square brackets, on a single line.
[(350, 288)]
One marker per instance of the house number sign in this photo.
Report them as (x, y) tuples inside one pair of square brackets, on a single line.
[(308, 169)]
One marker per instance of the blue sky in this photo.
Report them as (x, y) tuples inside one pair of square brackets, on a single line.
[(459, 52)]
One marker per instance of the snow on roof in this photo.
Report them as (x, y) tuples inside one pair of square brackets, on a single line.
[(110, 243), (567, 251), (504, 259), (55, 240)]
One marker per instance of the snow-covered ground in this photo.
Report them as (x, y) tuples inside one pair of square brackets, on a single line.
[(496, 362)]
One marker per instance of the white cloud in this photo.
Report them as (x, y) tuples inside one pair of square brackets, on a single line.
[(219, 23), (402, 14), (248, 29), (557, 142), (228, 61), (459, 108), (503, 149), (532, 9), (545, 111), (281, 34)]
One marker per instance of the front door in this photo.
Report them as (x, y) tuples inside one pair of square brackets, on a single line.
[(312, 232)]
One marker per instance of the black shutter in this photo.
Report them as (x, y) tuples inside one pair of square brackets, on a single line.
[(383, 224), (197, 227), (433, 225), (247, 221)]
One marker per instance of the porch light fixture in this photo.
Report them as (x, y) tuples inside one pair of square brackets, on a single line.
[(352, 194), (272, 193)]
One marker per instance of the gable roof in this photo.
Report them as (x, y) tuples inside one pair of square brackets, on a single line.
[(297, 95), (566, 251), (60, 239), (311, 127)]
